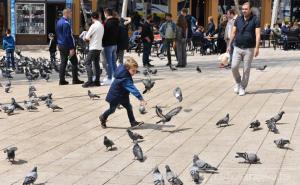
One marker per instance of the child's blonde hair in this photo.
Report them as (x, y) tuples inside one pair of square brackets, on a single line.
[(131, 63)]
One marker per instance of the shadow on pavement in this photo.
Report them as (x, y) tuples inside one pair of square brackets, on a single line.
[(271, 91)]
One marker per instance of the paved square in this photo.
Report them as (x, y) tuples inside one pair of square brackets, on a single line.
[(67, 146)]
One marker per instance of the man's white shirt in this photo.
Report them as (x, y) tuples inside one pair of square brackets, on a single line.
[(95, 36)]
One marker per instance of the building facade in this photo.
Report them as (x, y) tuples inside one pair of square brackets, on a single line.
[(32, 20)]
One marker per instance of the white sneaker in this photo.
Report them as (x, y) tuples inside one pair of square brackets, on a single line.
[(236, 88), (242, 91)]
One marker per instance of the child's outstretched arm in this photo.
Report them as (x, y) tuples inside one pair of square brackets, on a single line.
[(128, 84)]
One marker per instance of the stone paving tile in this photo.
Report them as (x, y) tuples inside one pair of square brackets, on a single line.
[(67, 146)]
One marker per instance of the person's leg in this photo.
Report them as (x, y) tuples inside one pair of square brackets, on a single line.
[(114, 59), (12, 57), (97, 65), (236, 60), (146, 53), (88, 65), (130, 115), (7, 59), (249, 54), (121, 56), (111, 110), (74, 62), (184, 57), (168, 46), (108, 56), (179, 54), (64, 53), (103, 60)]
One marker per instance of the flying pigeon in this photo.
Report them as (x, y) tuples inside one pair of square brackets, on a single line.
[(29, 105), (249, 157), (171, 177), (158, 179), (255, 125), (261, 68), (281, 142), (278, 116), (272, 126), (138, 152), (54, 107), (31, 177), (92, 96), (108, 143), (202, 165), (11, 153), (167, 117), (178, 94), (194, 171), (134, 136), (14, 103), (223, 121), (148, 83), (198, 69)]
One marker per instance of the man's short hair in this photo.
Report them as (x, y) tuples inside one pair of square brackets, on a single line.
[(108, 11), (8, 31), (95, 15), (248, 3), (168, 15), (149, 17), (184, 10), (131, 63), (66, 10)]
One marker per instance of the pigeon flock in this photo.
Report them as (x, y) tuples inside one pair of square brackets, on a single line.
[(34, 69)]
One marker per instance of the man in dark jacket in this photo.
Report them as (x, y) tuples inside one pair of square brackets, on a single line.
[(66, 46), (118, 93), (110, 41), (147, 37), (52, 47), (9, 47)]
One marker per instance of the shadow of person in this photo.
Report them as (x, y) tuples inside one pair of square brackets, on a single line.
[(270, 91), (176, 130), (19, 162)]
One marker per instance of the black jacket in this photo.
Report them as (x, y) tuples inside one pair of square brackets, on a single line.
[(123, 41), (111, 32), (147, 31), (52, 45)]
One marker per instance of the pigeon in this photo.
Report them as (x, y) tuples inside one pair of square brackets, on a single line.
[(45, 97), (261, 68), (281, 142), (158, 179), (108, 143), (48, 102), (194, 171), (32, 94), (134, 136), (223, 121), (92, 96), (7, 87), (34, 101), (171, 177), (167, 117), (202, 165), (32, 88), (249, 157), (178, 94), (29, 105), (148, 83), (138, 152), (272, 126), (8, 109), (154, 71), (54, 107), (172, 68), (17, 106), (278, 116), (31, 177), (198, 69), (142, 110), (255, 125), (11, 153)]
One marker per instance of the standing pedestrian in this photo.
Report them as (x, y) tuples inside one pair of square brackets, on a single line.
[(66, 46), (110, 41), (181, 36), (168, 32), (94, 36), (147, 38), (231, 16), (189, 20), (246, 32), (52, 48), (8, 45), (123, 41)]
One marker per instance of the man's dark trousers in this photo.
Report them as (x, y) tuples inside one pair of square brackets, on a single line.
[(146, 52), (93, 56), (64, 54), (168, 43)]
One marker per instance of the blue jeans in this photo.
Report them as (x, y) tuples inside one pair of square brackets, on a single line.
[(110, 53), (112, 109), (10, 59)]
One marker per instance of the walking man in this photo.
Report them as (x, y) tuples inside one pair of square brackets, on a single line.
[(147, 37), (94, 37), (66, 46), (246, 32)]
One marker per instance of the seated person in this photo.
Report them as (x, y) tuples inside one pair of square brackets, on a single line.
[(135, 35)]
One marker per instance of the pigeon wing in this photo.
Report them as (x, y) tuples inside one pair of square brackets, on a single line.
[(159, 112), (174, 112)]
